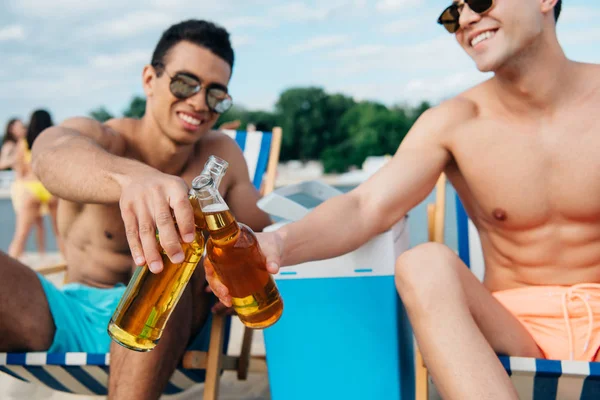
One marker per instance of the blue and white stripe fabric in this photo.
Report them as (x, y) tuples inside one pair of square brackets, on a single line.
[(535, 379), (79, 373), (256, 147), (87, 374)]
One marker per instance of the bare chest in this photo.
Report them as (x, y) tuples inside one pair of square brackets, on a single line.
[(525, 176)]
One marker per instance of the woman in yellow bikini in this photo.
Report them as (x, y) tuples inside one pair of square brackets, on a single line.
[(33, 198)]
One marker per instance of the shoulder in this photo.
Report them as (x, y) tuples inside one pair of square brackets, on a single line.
[(111, 135), (438, 123), (221, 145), (590, 74), (8, 146)]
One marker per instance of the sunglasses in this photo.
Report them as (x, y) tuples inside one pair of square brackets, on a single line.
[(451, 15), (184, 85)]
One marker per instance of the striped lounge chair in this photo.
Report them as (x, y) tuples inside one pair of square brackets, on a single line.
[(87, 374), (535, 379)]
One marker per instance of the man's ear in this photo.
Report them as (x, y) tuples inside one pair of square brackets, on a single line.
[(548, 6), (148, 80)]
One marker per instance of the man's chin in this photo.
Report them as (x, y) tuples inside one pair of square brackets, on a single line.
[(188, 137), (486, 65)]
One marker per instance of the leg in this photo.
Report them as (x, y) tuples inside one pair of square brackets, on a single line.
[(459, 325), (53, 210), (40, 234), (144, 376), (28, 212), (25, 320)]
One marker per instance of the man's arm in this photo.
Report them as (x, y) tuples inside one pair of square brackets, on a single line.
[(7, 155), (344, 223), (80, 161)]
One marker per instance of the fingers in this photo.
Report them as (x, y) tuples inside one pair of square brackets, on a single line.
[(184, 215), (222, 309), (215, 284), (147, 233), (132, 234), (168, 235)]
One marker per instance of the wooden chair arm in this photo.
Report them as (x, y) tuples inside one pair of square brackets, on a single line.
[(52, 269)]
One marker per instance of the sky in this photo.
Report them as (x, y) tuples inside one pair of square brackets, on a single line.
[(73, 56)]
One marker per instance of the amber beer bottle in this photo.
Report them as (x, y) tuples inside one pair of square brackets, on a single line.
[(239, 263), (149, 299)]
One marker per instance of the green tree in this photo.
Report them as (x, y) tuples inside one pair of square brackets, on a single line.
[(308, 118), (371, 130), (136, 108), (101, 114)]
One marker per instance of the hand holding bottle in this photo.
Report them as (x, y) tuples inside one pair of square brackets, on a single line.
[(271, 245)]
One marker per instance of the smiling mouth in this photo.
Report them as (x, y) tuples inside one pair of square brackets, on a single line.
[(189, 119), (482, 37)]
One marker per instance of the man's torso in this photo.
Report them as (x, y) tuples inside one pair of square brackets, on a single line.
[(94, 241), (531, 185)]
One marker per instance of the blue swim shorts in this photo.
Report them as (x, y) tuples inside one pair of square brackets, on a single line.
[(81, 315)]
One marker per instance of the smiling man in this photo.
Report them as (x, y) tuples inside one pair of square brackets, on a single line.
[(522, 151), (118, 182)]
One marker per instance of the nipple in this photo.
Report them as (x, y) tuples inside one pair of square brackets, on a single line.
[(499, 214), (108, 235)]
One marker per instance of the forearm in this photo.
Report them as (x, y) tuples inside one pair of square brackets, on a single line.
[(336, 227), (76, 168)]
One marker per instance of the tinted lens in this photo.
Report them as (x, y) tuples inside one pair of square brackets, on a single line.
[(480, 6), (449, 18), (218, 100), (183, 86)]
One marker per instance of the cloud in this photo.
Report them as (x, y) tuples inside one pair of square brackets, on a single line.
[(580, 40), (130, 24), (247, 22), (318, 42), (438, 54), (60, 8), (241, 41), (412, 91), (298, 11), (396, 5), (576, 14), (120, 61), (12, 32)]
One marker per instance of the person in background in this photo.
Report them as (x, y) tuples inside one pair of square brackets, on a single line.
[(31, 199), (15, 130)]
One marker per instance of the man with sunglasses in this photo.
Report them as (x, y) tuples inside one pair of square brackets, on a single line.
[(521, 149), (118, 183)]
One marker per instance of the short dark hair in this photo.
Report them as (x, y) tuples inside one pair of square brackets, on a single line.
[(202, 33), (557, 9), (40, 120)]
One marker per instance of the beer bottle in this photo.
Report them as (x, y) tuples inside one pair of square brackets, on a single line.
[(149, 299), (233, 250)]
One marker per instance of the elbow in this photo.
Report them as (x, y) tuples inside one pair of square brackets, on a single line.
[(43, 145), (377, 216)]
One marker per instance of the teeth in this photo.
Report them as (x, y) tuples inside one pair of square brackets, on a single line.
[(189, 120), (481, 37)]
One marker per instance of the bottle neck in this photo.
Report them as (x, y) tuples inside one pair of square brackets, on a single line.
[(219, 220), (209, 198), (215, 167)]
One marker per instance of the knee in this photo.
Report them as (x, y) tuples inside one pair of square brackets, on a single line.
[(424, 270)]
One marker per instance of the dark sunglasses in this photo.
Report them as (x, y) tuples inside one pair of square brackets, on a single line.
[(184, 85), (451, 15)]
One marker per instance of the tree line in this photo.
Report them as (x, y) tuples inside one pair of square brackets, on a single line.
[(332, 128)]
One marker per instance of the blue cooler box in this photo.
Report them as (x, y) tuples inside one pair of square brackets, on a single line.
[(344, 333)]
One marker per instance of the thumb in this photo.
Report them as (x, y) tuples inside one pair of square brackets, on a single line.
[(272, 266)]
